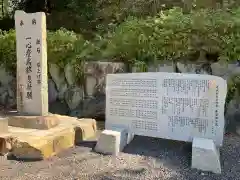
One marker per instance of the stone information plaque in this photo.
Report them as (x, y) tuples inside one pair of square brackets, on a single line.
[(167, 105), (32, 87)]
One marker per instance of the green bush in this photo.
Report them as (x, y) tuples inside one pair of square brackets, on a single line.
[(62, 47), (169, 36), (172, 35), (8, 49)]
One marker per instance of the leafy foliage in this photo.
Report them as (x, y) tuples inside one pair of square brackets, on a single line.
[(63, 47), (170, 35), (8, 49)]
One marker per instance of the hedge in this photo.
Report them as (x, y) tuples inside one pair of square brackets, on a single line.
[(171, 35)]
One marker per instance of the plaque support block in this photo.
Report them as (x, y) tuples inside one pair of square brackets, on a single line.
[(113, 141), (130, 137), (205, 155)]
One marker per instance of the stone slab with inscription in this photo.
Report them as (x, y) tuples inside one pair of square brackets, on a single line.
[(32, 89), (167, 105)]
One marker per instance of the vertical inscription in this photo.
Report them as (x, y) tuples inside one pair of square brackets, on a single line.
[(131, 102), (38, 45), (29, 68), (217, 105), (182, 99)]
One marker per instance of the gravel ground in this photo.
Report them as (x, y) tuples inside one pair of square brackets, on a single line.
[(144, 158)]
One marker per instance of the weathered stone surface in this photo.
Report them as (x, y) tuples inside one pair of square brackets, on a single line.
[(33, 122), (99, 69), (162, 67), (94, 107), (225, 70), (41, 144), (238, 130), (6, 142), (62, 90), (96, 72), (57, 75), (90, 84), (109, 142), (52, 91), (12, 95), (170, 67), (73, 97), (205, 155), (3, 125), (4, 98), (220, 69), (32, 80), (69, 74), (59, 107), (232, 114), (190, 68), (5, 77), (7, 96), (84, 128)]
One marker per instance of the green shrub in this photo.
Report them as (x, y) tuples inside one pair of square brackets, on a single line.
[(62, 47), (172, 35), (8, 49), (169, 36)]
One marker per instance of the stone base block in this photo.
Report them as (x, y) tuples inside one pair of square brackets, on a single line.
[(3, 125), (41, 144), (84, 128), (205, 155), (238, 130), (33, 122), (29, 143), (112, 141)]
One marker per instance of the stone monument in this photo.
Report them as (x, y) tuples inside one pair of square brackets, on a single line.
[(174, 106), (32, 87), (33, 133)]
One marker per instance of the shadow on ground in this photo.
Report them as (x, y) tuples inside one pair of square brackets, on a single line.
[(170, 153)]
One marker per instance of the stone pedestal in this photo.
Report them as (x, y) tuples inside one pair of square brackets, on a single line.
[(205, 155)]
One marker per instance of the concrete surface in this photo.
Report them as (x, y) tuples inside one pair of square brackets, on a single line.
[(205, 155)]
